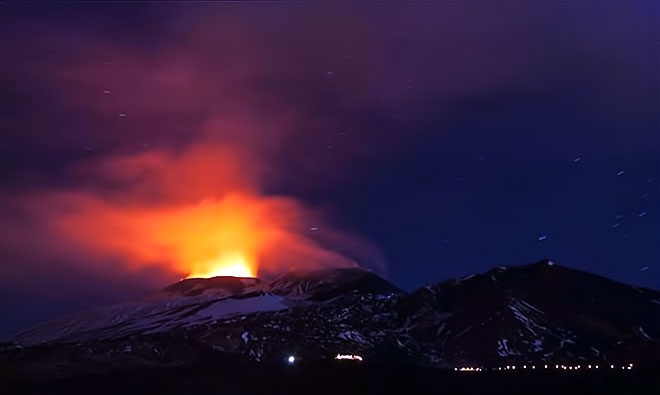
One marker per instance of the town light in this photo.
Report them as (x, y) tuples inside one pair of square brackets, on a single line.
[(349, 357)]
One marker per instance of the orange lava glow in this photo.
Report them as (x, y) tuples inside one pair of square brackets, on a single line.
[(226, 264), (196, 213), (224, 237)]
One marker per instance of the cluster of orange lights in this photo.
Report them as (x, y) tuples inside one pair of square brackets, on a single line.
[(468, 369), (533, 367)]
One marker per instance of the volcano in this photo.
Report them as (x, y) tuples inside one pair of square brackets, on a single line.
[(542, 313)]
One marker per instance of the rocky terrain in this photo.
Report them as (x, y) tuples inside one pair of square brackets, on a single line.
[(538, 314)]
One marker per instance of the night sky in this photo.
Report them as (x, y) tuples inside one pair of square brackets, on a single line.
[(449, 138)]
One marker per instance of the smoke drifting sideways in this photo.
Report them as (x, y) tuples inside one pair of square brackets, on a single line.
[(229, 101), (185, 135), (195, 212)]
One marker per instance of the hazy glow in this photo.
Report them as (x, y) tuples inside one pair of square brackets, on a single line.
[(227, 264), (196, 212)]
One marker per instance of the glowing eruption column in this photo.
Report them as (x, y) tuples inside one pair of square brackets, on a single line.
[(196, 212), (227, 264)]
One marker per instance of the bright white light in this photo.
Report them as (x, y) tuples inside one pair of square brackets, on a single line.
[(291, 359), (611, 366), (469, 369), (349, 356), (588, 366)]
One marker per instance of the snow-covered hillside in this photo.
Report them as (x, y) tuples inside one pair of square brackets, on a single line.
[(539, 313)]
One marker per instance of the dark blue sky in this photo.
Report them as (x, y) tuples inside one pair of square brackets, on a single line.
[(454, 137)]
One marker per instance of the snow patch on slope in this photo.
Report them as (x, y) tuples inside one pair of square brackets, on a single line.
[(460, 280), (641, 332), (227, 307), (524, 313), (353, 336), (152, 317), (503, 349)]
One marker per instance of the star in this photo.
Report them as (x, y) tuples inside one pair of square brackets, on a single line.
[(577, 159), (642, 214), (106, 92), (122, 115), (621, 172), (542, 237)]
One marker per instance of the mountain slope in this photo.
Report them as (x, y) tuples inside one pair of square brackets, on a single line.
[(323, 285), (195, 302), (534, 313), (539, 314), (180, 297)]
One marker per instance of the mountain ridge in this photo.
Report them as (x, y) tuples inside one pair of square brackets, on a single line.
[(537, 313)]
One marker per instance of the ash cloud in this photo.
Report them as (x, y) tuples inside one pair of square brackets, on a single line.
[(117, 112)]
